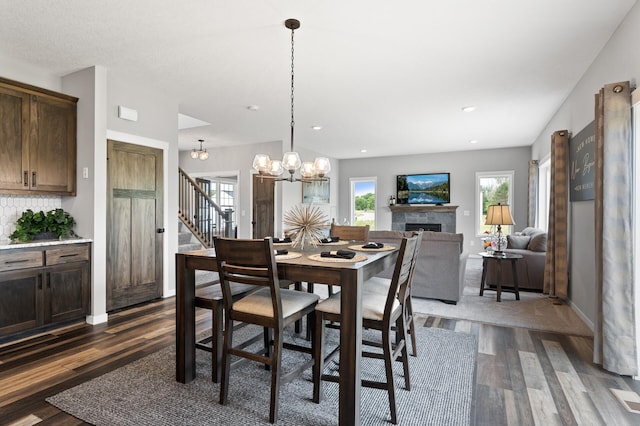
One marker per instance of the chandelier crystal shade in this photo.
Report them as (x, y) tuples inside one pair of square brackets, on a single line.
[(309, 170), (201, 154)]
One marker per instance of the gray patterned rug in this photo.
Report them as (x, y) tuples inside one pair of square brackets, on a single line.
[(145, 392)]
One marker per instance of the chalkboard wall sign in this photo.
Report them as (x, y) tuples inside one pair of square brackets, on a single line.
[(582, 163)]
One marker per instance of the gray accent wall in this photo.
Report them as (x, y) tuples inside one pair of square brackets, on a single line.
[(461, 165), (618, 61)]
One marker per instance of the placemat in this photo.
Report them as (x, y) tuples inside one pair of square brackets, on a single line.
[(356, 258), (359, 248), (337, 243), (290, 255)]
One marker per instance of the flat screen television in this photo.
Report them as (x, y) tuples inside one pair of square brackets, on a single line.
[(425, 188)]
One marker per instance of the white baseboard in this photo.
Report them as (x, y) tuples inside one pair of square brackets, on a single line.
[(582, 316), (97, 319), (168, 293)]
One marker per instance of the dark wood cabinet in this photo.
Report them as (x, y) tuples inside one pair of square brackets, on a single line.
[(38, 131), (42, 286)]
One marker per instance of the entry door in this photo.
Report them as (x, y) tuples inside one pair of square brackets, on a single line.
[(134, 222), (263, 199)]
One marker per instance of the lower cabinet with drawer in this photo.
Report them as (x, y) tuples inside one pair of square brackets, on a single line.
[(41, 286)]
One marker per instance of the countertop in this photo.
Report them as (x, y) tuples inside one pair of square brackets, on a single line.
[(6, 244)]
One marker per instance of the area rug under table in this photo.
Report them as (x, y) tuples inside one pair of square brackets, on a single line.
[(145, 392)]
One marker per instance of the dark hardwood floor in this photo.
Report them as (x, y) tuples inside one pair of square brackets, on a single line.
[(524, 377)]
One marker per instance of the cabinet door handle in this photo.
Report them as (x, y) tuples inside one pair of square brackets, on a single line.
[(39, 281), (33, 179), (69, 255), (26, 178), (10, 262), (48, 279)]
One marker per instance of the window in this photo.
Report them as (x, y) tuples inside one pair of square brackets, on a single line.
[(492, 188), (363, 202), (222, 192), (544, 192)]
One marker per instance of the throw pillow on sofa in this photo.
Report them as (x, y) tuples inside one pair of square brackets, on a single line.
[(538, 243), (518, 241)]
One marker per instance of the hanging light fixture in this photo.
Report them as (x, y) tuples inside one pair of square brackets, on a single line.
[(309, 170), (201, 154)]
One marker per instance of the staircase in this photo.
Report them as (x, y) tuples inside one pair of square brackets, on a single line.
[(200, 214), (185, 240)]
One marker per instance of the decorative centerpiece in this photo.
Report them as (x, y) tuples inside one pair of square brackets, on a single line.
[(305, 224), (53, 224)]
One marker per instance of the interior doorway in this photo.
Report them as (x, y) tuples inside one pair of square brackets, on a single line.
[(134, 266), (263, 207)]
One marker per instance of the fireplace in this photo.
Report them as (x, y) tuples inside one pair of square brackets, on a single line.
[(436, 227), (404, 215)]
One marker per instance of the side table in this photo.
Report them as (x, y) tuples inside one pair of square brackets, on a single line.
[(499, 259)]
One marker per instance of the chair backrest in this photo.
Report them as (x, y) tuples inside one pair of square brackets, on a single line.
[(403, 270), (404, 291), (347, 232), (247, 262)]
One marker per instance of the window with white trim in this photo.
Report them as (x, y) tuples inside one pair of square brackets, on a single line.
[(492, 188)]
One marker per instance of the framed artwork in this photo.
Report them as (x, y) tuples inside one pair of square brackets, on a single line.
[(582, 164), (316, 192)]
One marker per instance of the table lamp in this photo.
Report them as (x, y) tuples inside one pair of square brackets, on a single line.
[(499, 214)]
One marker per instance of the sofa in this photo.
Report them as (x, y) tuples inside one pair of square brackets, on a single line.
[(441, 264), (531, 243)]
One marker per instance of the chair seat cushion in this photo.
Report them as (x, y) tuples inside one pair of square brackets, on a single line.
[(259, 303), (373, 302)]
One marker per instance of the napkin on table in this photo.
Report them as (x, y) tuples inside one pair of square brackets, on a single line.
[(281, 240), (341, 254), (330, 240), (373, 245)]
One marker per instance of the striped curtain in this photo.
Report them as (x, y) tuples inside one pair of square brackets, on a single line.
[(556, 276), (614, 337), (532, 204)]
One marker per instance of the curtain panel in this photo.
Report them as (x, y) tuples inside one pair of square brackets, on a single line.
[(614, 337), (556, 275), (532, 205)]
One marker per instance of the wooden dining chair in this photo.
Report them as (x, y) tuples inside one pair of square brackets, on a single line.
[(209, 296), (379, 312), (381, 285), (253, 262), (348, 232)]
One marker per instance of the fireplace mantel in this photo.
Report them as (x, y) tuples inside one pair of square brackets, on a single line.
[(402, 214), (413, 208)]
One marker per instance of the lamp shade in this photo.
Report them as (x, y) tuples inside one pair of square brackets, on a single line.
[(499, 214)]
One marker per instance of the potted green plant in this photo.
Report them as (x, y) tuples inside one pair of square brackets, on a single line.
[(40, 225)]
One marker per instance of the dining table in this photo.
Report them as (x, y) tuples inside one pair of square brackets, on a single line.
[(350, 276)]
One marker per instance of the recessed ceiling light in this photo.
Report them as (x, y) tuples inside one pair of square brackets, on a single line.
[(468, 108), (316, 127), (253, 107), (363, 150), (473, 141)]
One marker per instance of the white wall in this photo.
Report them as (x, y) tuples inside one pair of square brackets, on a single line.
[(99, 95), (240, 158), (462, 166), (618, 61)]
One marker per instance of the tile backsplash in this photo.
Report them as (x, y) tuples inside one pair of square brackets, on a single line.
[(12, 206)]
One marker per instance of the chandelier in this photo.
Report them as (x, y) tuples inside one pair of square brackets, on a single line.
[(309, 170), (201, 154)]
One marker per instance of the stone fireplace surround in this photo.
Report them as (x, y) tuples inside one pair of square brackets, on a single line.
[(401, 214)]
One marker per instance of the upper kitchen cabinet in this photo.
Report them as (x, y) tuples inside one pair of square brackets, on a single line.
[(37, 140)]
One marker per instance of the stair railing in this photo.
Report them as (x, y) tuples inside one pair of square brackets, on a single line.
[(196, 210)]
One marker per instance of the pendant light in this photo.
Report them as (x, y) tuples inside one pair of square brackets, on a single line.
[(309, 170), (201, 154)]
